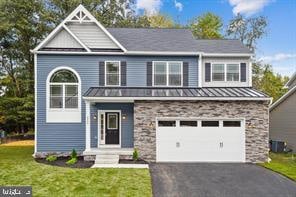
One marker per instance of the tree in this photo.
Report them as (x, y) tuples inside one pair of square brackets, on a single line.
[(267, 81), (119, 13), (247, 30), (24, 24), (207, 26), (160, 21)]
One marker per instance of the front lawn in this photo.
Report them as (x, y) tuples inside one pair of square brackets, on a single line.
[(283, 163), (17, 167)]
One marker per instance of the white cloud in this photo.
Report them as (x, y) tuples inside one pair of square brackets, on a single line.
[(278, 57), (178, 5), (248, 7), (149, 6)]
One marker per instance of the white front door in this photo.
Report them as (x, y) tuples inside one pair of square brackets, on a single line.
[(200, 140)]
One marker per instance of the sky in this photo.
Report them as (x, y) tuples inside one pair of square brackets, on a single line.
[(277, 48)]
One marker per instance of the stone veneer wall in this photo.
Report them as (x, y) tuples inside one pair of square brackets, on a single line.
[(254, 112)]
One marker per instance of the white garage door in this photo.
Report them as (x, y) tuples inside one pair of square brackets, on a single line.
[(200, 140)]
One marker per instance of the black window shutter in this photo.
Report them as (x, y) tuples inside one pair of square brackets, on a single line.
[(102, 73), (149, 73), (123, 73), (185, 73), (207, 72), (243, 72)]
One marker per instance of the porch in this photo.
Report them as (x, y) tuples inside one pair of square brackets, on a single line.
[(109, 131)]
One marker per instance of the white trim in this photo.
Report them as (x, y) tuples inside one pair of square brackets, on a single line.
[(132, 99), (101, 141), (119, 80), (92, 18), (87, 126), (227, 54), (200, 71), (48, 38), (225, 64), (76, 38), (156, 53), (279, 101), (36, 101), (250, 73), (292, 78), (80, 8), (99, 127), (77, 53), (162, 53), (62, 114), (167, 74)]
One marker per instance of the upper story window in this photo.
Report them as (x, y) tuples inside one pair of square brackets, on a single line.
[(167, 73), (218, 72), (112, 73), (232, 72), (63, 86), (225, 72)]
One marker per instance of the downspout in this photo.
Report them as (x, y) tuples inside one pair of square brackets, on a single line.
[(200, 70)]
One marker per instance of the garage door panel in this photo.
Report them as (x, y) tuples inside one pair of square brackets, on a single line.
[(200, 144)]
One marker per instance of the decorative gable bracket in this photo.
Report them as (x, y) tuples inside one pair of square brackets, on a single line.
[(81, 15)]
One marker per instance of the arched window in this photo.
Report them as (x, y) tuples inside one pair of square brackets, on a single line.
[(63, 90)]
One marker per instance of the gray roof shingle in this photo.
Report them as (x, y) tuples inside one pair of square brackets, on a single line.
[(221, 46), (172, 40), (145, 39)]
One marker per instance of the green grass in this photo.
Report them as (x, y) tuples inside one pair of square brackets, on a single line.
[(17, 167), (283, 163)]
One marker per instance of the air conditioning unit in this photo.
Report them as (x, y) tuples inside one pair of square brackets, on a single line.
[(277, 146)]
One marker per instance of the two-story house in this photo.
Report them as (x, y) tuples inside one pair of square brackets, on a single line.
[(105, 91)]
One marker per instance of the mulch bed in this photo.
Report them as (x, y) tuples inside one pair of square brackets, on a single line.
[(61, 162), (130, 161)]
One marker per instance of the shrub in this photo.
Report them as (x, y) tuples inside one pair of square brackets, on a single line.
[(71, 161), (135, 155), (51, 158), (74, 154)]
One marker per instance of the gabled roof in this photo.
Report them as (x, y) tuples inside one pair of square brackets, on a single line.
[(283, 98), (291, 80), (158, 39), (91, 37), (78, 16)]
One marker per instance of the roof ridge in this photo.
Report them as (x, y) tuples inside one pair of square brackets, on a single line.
[(218, 39), (147, 28)]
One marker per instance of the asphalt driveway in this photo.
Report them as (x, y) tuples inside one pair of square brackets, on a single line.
[(223, 180)]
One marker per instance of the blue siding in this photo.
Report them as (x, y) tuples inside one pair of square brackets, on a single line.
[(65, 136), (127, 125)]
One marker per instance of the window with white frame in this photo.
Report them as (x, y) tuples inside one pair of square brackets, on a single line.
[(167, 73), (63, 88), (225, 72), (232, 72), (112, 73), (218, 72)]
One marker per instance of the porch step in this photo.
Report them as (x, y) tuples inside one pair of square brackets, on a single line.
[(107, 159)]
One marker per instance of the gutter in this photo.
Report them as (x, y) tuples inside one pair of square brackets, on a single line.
[(158, 53)]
